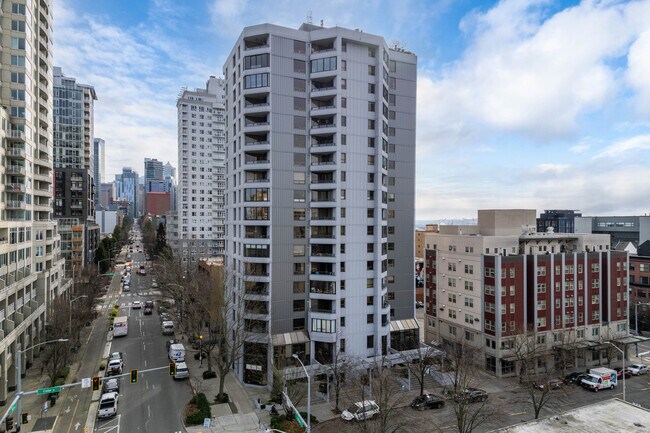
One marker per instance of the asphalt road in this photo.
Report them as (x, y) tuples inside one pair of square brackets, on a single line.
[(154, 404)]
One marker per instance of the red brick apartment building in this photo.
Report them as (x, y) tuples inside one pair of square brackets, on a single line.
[(485, 285)]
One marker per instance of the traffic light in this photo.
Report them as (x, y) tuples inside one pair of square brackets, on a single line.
[(172, 369), (9, 423), (96, 383), (134, 376), (25, 417)]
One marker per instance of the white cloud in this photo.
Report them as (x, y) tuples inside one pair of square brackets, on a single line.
[(638, 73), (628, 147), (532, 74), (551, 168), (579, 148)]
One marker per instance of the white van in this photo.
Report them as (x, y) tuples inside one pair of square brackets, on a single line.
[(182, 371), (177, 353), (168, 327)]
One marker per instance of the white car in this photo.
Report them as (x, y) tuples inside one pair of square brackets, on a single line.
[(108, 405), (136, 305), (638, 369), (360, 411), (126, 288), (154, 285)]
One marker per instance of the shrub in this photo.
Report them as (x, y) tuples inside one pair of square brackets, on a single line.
[(313, 419), (63, 373), (197, 410), (116, 306), (288, 425), (209, 374), (102, 365), (59, 381)]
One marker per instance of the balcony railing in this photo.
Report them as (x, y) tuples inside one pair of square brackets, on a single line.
[(257, 161), (323, 125), (256, 47), (326, 273), (323, 290), (16, 169)]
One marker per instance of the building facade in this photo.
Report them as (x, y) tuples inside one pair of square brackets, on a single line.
[(493, 285), (562, 221), (99, 165), (74, 166), (126, 186), (158, 203), (31, 267), (201, 153), (106, 195), (320, 194), (153, 169), (621, 229)]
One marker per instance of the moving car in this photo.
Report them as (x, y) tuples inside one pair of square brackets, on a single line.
[(167, 327), (136, 305), (147, 311), (471, 395), (427, 401), (638, 369), (126, 288), (148, 304), (360, 411), (108, 405), (574, 378)]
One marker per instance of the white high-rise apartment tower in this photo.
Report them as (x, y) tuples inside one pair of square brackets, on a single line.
[(200, 217), (320, 194), (31, 267)]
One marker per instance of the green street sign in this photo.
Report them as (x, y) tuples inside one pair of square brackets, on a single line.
[(13, 408), (296, 415), (48, 390)]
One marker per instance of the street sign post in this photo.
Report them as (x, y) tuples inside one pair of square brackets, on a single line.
[(49, 390)]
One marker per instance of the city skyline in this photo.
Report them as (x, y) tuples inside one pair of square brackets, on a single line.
[(538, 104)]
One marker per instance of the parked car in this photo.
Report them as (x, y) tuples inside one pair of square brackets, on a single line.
[(116, 355), (182, 372), (167, 327), (114, 366), (551, 383), (574, 378), (638, 369), (154, 285), (619, 372), (427, 401), (360, 411), (419, 304), (111, 385), (108, 405), (471, 395)]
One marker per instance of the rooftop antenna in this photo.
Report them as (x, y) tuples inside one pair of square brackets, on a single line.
[(309, 17)]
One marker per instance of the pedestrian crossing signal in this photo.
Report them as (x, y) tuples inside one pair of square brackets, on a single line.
[(134, 376), (95, 383), (172, 369)]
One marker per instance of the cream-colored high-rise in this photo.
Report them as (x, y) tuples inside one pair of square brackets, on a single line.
[(31, 267)]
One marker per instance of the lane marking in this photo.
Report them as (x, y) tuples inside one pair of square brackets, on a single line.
[(517, 413), (74, 412)]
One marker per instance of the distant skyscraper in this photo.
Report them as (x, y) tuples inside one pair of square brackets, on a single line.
[(74, 187), (99, 173), (31, 268), (127, 189), (321, 194), (169, 172), (153, 170), (201, 184)]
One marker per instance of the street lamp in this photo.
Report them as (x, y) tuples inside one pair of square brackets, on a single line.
[(295, 355), (623, 353), (19, 361), (78, 297)]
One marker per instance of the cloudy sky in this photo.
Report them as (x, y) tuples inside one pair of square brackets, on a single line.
[(521, 103)]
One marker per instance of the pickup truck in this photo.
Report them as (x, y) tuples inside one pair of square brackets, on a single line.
[(107, 405)]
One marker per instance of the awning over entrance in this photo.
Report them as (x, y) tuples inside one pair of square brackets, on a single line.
[(403, 325), (295, 337)]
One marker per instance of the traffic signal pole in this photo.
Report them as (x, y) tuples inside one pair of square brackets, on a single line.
[(20, 395)]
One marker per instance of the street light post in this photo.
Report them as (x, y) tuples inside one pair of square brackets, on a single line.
[(99, 263), (308, 392), (636, 321), (19, 384), (70, 327), (623, 353)]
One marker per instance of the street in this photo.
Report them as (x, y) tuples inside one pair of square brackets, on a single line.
[(154, 404)]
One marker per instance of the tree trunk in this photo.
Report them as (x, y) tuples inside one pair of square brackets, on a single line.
[(422, 385), (222, 380)]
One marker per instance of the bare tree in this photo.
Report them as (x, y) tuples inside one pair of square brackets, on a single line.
[(535, 375), (470, 412), (565, 345), (338, 371), (381, 384), (419, 361), (611, 353), (56, 355)]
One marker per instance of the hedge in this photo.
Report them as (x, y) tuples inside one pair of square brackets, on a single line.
[(197, 410)]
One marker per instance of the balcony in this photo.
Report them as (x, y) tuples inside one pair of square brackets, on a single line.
[(253, 43), (16, 135), (256, 288), (323, 85), (256, 139), (323, 197), (256, 179), (15, 187), (16, 170), (323, 215), (322, 287), (326, 269), (15, 204), (256, 232), (322, 306)]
